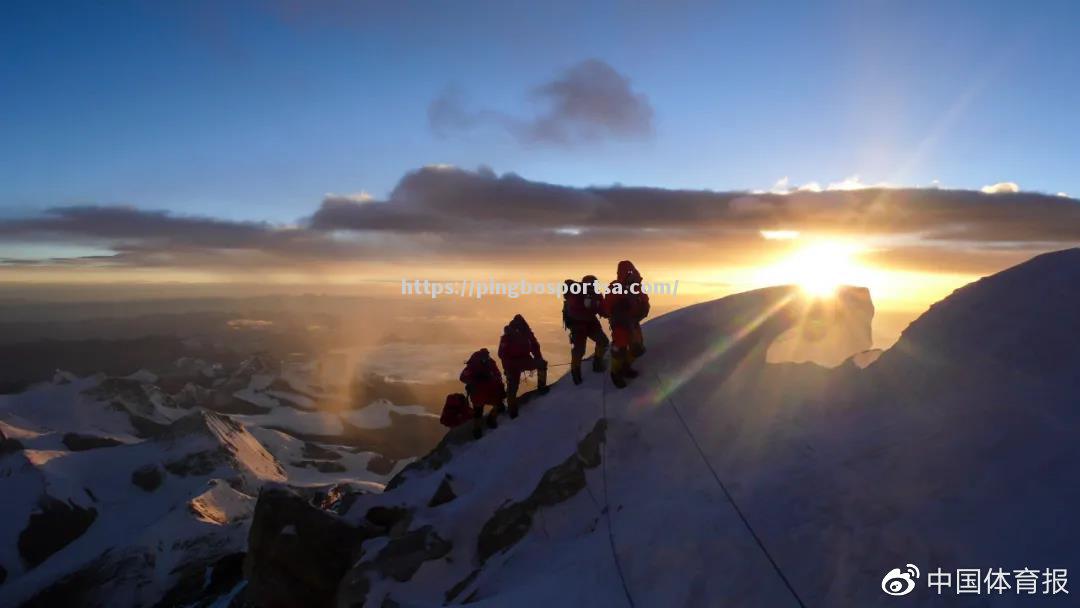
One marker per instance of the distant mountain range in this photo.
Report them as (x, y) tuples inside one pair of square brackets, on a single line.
[(131, 491)]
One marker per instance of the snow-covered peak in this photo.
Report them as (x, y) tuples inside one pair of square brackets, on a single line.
[(1021, 321)]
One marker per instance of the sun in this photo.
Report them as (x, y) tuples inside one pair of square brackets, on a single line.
[(819, 268)]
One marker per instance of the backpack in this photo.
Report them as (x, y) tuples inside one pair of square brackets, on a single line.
[(456, 411), (581, 306), (566, 305)]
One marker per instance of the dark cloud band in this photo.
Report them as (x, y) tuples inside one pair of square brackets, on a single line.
[(442, 213)]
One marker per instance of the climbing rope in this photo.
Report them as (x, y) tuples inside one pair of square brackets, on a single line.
[(530, 376), (607, 502), (731, 499)]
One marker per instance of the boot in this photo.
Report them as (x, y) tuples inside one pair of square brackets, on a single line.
[(541, 380), (598, 358), (627, 363), (477, 431), (512, 386), (617, 380), (575, 371), (618, 365), (598, 363), (492, 423)]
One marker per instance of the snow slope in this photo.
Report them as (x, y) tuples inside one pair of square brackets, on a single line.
[(936, 458)]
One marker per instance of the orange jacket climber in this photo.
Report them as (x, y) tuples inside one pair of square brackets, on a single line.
[(625, 306)]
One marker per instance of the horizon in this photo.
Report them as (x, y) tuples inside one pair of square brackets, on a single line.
[(283, 147)]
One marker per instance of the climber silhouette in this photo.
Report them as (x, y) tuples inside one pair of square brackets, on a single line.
[(625, 306), (581, 304), (520, 352), (484, 386)]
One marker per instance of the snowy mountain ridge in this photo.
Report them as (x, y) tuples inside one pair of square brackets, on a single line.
[(719, 479), (120, 493)]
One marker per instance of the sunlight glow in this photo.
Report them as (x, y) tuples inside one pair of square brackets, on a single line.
[(819, 268), (779, 235), (743, 329)]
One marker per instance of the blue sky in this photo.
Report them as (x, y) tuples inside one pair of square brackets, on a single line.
[(257, 110)]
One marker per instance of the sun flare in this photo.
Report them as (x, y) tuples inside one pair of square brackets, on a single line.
[(819, 268)]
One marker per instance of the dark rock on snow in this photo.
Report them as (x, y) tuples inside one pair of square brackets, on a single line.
[(77, 442), (317, 452), (52, 528), (512, 522), (443, 494), (148, 477), (8, 445), (297, 553)]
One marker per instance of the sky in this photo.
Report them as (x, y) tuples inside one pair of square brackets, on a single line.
[(254, 110), (201, 140)]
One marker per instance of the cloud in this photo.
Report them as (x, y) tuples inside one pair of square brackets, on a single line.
[(588, 102), (781, 186), (493, 207), (779, 235), (355, 197), (784, 186), (853, 183), (442, 214), (1001, 187), (118, 222), (447, 115), (151, 238)]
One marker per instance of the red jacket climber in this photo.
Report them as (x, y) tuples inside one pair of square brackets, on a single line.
[(625, 306), (520, 352), (484, 385)]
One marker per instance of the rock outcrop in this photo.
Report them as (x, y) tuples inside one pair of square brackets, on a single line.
[(512, 522), (77, 442), (147, 477), (52, 527), (829, 330), (297, 553), (9, 445)]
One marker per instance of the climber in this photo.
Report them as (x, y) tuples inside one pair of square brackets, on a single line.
[(625, 306), (581, 304), (520, 352), (484, 385)]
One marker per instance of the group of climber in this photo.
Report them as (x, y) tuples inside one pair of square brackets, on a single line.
[(624, 306)]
